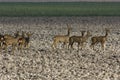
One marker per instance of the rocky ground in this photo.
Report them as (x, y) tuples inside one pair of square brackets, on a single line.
[(41, 62)]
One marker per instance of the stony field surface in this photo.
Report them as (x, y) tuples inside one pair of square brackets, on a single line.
[(41, 62)]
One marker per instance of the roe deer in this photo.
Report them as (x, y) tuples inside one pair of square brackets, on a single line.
[(79, 39), (24, 41), (61, 38), (1, 40), (11, 40), (99, 39)]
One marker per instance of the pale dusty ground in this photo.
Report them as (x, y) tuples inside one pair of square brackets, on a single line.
[(40, 62)]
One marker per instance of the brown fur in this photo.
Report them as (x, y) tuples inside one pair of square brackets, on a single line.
[(7, 36), (99, 39), (61, 38), (79, 39), (11, 40), (24, 41)]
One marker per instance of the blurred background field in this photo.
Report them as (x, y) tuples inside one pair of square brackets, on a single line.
[(19, 9)]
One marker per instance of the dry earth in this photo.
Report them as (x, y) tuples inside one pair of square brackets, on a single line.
[(40, 62)]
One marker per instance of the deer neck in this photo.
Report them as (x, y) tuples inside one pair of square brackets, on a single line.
[(85, 37), (16, 35), (27, 39), (106, 34), (68, 34)]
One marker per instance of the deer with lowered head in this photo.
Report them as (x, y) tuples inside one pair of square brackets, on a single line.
[(79, 39), (61, 38), (10, 40), (100, 39)]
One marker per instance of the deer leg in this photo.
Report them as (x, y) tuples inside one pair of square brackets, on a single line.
[(81, 46), (13, 48), (27, 45), (66, 45), (54, 45), (21, 46), (92, 45), (78, 45), (4, 46), (69, 45), (72, 45), (103, 45), (0, 45), (18, 46)]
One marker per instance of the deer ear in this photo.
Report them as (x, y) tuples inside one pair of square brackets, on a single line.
[(30, 33), (88, 32)]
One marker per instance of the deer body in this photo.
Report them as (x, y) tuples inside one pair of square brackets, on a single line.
[(79, 39), (24, 41), (11, 41), (99, 39), (61, 38)]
